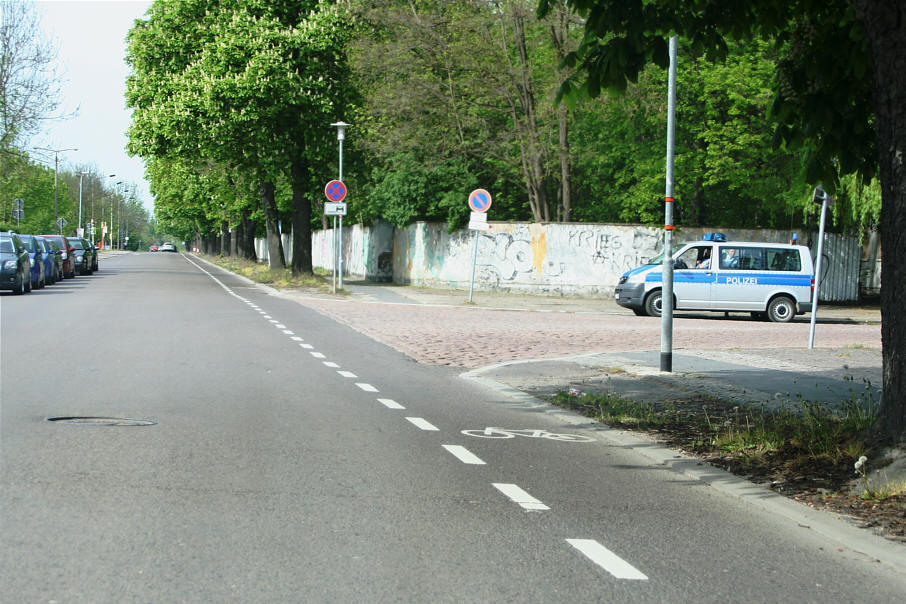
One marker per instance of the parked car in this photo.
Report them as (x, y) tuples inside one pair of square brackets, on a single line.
[(34, 257), (82, 257), (51, 274), (92, 252), (153, 248), (14, 264), (56, 255), (67, 254), (167, 247), (95, 266)]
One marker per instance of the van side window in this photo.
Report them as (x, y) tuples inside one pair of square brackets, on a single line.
[(783, 260), (747, 259)]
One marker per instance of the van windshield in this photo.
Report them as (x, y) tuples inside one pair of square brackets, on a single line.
[(659, 259)]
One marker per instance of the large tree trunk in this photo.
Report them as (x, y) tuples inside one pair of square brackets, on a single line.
[(301, 218), (560, 38), (247, 228), (224, 238), (885, 25), (274, 242)]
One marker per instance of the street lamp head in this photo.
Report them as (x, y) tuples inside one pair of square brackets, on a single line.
[(341, 128)]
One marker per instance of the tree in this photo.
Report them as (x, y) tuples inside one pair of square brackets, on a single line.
[(29, 85), (840, 54)]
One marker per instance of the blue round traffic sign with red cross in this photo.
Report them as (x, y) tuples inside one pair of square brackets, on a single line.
[(335, 190), (479, 200)]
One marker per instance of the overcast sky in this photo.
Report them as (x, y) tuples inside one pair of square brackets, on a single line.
[(90, 37)]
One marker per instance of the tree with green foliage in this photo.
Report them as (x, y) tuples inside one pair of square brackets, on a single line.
[(253, 89), (839, 100)]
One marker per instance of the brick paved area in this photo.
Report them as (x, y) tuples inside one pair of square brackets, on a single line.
[(469, 337)]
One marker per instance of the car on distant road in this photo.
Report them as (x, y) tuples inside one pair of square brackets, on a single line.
[(14, 264), (67, 254), (38, 279), (167, 247), (82, 255)]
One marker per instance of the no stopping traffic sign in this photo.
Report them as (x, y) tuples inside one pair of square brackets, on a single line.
[(335, 190), (480, 200)]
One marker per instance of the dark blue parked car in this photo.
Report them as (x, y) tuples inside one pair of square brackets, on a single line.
[(54, 255), (37, 265), (14, 264), (48, 259)]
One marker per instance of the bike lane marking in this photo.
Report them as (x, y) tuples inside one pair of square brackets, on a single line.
[(518, 495), (423, 424), (390, 403), (464, 455), (607, 560), (591, 548)]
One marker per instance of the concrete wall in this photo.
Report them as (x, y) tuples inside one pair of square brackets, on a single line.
[(559, 259)]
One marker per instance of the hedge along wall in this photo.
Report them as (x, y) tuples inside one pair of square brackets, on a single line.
[(561, 259)]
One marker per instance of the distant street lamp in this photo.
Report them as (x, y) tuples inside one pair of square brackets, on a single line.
[(56, 165), (81, 174)]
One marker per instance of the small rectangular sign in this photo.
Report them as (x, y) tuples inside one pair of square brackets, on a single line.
[(334, 209), (479, 226)]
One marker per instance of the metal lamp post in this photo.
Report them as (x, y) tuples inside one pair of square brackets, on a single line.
[(56, 165), (341, 134), (79, 226)]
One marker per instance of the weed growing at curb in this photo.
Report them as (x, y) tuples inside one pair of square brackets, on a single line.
[(261, 273)]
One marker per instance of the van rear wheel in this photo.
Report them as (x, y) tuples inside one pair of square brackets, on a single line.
[(781, 310)]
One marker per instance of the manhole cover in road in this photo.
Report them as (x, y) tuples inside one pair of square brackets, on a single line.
[(102, 421)]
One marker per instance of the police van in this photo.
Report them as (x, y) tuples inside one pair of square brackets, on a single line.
[(770, 280)]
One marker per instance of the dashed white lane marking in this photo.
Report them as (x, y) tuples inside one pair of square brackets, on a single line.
[(287, 331), (422, 424), (275, 321), (267, 316), (280, 326), (607, 560), (464, 455), (318, 355), (390, 403), (306, 346), (331, 364), (367, 387), (517, 495), (347, 374), (296, 339)]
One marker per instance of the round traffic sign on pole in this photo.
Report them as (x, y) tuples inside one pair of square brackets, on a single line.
[(335, 190), (479, 200)]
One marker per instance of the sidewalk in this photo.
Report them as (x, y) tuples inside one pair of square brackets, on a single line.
[(759, 375)]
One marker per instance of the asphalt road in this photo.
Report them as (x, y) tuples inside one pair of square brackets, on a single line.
[(295, 459)]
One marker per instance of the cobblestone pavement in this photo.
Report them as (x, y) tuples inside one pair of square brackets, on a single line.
[(439, 327)]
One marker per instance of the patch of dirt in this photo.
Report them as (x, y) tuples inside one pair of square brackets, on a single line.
[(819, 482)]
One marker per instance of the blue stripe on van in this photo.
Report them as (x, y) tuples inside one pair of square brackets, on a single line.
[(745, 278)]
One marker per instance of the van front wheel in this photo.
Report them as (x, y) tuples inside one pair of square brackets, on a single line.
[(653, 304), (781, 310)]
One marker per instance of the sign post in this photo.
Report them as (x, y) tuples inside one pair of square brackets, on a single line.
[(824, 199), (479, 201), (335, 191)]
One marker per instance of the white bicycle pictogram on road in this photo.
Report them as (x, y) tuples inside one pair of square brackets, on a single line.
[(507, 433)]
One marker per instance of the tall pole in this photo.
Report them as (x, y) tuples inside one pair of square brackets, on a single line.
[(79, 226), (824, 197), (667, 267), (56, 166), (341, 134)]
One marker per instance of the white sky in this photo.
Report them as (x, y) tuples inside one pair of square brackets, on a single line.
[(91, 40)]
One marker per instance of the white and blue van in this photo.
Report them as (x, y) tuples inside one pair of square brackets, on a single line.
[(768, 280)]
